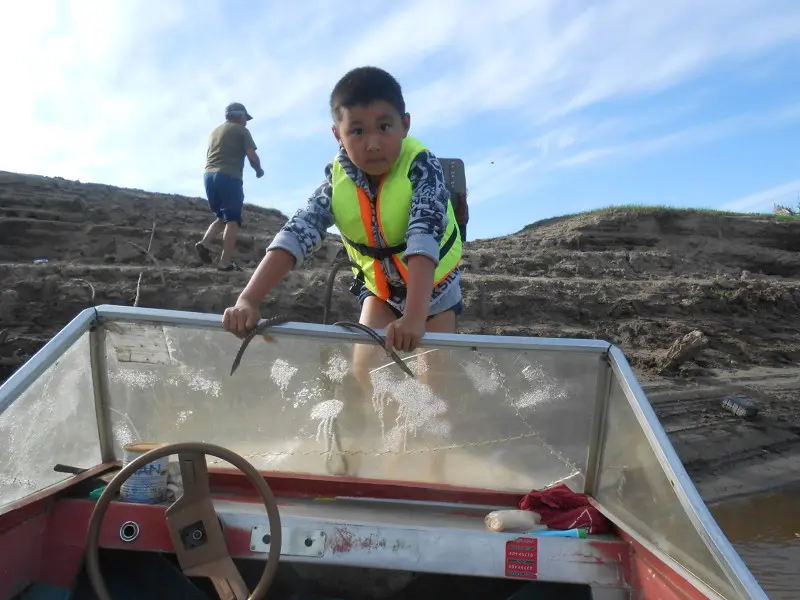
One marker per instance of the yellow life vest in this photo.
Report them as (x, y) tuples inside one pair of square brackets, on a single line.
[(352, 213)]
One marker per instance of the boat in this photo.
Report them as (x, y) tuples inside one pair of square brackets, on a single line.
[(290, 479)]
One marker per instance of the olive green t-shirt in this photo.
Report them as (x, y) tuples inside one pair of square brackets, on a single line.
[(227, 147)]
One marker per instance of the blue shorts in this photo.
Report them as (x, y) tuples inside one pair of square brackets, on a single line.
[(225, 196), (365, 293)]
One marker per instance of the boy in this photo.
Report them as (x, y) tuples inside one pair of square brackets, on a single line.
[(386, 194)]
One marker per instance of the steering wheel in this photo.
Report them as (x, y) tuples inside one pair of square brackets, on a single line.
[(193, 524)]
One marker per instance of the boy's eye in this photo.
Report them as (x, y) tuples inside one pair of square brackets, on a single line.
[(386, 127), (357, 131)]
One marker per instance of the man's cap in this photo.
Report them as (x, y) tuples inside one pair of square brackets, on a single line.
[(237, 108)]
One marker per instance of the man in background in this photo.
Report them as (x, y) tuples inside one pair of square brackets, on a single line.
[(228, 144)]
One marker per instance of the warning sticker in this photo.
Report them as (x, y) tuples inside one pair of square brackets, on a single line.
[(522, 558)]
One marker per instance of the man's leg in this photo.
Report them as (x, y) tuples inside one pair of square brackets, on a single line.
[(212, 232), (228, 243), (203, 247), (231, 208)]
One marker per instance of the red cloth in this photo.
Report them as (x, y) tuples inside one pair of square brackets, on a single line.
[(561, 508)]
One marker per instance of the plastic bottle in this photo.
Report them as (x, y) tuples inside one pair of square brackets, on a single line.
[(512, 520), (574, 533)]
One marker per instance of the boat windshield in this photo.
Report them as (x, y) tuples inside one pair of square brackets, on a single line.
[(500, 413)]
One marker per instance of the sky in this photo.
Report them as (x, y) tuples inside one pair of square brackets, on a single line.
[(556, 106)]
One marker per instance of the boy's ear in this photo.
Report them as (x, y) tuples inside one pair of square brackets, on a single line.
[(406, 124), (336, 135)]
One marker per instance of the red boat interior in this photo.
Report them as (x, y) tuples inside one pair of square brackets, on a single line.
[(262, 509), (44, 544)]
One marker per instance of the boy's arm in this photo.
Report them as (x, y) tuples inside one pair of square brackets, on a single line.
[(295, 242), (426, 226)]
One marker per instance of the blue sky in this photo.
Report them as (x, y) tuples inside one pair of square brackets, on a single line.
[(556, 106)]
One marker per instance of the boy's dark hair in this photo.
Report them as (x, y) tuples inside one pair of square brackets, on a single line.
[(363, 86)]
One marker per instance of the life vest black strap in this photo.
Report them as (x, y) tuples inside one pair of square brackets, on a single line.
[(375, 253), (383, 253)]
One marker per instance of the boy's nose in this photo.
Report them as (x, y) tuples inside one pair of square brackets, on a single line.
[(373, 143)]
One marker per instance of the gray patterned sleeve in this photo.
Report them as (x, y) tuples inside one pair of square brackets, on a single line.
[(304, 233), (428, 216)]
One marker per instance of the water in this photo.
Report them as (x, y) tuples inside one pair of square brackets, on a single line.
[(765, 530)]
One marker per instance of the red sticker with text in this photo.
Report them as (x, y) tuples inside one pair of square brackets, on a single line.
[(522, 558)]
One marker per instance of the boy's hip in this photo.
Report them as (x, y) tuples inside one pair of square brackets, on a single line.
[(442, 300)]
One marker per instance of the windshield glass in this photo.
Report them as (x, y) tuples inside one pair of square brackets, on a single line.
[(505, 419)]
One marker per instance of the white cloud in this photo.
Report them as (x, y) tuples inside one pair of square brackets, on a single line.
[(113, 92), (704, 133), (787, 194), (507, 169)]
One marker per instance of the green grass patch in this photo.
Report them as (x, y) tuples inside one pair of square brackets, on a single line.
[(632, 210)]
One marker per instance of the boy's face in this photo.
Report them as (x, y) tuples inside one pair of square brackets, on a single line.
[(372, 135)]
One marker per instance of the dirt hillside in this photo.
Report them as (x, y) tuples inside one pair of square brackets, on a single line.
[(639, 278)]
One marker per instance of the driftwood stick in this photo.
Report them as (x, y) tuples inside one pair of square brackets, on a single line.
[(91, 287), (152, 258)]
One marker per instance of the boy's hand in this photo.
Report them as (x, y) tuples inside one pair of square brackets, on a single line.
[(241, 318), (259, 173), (405, 333)]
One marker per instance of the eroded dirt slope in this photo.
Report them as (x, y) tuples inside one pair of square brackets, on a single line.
[(638, 278)]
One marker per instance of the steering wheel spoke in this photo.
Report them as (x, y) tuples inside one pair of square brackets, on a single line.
[(197, 535)]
